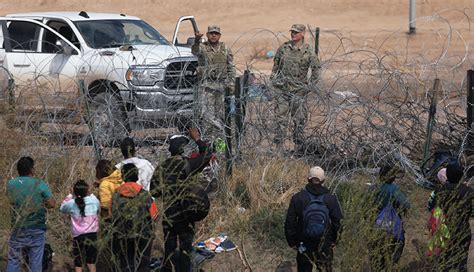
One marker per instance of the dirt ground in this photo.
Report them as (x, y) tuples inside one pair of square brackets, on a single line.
[(252, 25)]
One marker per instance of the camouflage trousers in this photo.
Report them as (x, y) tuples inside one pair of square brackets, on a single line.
[(290, 109), (211, 101)]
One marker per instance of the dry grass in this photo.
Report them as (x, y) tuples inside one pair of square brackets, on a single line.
[(264, 187), (250, 210)]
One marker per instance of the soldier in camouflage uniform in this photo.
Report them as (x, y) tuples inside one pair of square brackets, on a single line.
[(216, 72), (293, 63)]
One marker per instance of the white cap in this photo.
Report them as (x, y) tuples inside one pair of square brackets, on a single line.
[(317, 172)]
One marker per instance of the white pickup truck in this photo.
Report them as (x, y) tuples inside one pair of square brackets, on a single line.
[(115, 67)]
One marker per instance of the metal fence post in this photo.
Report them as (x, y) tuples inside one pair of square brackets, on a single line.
[(241, 89), (431, 121), (228, 132), (316, 42), (412, 16)]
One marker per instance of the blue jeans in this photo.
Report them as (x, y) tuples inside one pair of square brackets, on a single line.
[(29, 241)]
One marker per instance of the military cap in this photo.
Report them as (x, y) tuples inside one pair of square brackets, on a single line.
[(214, 28), (298, 28)]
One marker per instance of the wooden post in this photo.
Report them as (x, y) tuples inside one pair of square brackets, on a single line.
[(469, 149), (244, 95), (84, 93), (238, 115), (11, 102)]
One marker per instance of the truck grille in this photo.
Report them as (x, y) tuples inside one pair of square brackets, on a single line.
[(178, 105), (181, 75)]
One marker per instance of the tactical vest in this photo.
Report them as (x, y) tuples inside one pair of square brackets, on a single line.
[(215, 63), (295, 63)]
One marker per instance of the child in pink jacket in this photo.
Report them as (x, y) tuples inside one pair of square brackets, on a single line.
[(83, 209)]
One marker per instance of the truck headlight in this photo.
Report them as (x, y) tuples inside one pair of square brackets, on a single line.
[(145, 76)]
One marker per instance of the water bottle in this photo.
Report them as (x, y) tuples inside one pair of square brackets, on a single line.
[(219, 145), (301, 248), (232, 105)]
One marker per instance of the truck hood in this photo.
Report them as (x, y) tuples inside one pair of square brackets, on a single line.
[(147, 54)]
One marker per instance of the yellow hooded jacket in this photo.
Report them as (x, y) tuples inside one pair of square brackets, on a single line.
[(107, 188)]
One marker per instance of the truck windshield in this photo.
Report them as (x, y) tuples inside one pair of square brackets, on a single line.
[(115, 33)]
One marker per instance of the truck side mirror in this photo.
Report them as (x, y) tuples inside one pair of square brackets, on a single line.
[(190, 41)]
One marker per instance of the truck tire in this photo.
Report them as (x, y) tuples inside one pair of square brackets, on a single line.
[(108, 120)]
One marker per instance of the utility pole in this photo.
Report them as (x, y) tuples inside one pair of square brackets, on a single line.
[(412, 22)]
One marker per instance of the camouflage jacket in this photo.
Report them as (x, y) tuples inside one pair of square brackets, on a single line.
[(216, 63), (291, 66)]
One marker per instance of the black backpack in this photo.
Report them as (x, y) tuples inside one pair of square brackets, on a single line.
[(197, 204), (315, 217)]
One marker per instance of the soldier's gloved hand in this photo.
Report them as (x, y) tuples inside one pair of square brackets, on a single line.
[(198, 36)]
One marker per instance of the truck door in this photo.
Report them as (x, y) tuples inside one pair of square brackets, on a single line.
[(184, 31), (43, 64), (4, 76), (62, 60)]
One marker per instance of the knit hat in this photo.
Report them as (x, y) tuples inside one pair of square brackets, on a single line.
[(454, 172), (177, 143), (127, 146), (317, 172)]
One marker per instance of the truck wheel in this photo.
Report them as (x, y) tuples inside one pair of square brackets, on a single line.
[(108, 120)]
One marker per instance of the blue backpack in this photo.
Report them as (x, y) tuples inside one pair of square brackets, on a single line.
[(389, 221), (315, 217)]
